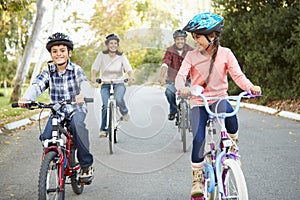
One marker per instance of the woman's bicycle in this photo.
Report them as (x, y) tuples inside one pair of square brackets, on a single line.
[(224, 178), (183, 119), (59, 160), (112, 118)]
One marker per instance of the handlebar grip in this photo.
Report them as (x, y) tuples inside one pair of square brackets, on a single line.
[(98, 80), (88, 100), (14, 105)]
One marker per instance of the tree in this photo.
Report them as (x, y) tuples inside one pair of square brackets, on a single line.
[(264, 37), (15, 22), (23, 68)]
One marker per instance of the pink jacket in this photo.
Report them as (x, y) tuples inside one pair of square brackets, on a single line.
[(198, 66)]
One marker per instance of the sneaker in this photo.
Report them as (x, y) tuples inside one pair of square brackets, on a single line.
[(171, 116), (103, 134), (86, 175), (234, 148), (125, 117)]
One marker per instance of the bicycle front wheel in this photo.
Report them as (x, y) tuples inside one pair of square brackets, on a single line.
[(49, 184), (183, 124), (77, 188), (111, 127), (234, 183)]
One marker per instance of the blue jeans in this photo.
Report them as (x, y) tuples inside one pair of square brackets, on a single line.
[(119, 92), (171, 97), (199, 117), (80, 137)]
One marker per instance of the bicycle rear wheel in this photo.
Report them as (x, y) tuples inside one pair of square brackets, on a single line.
[(111, 127), (49, 186), (234, 183), (76, 187)]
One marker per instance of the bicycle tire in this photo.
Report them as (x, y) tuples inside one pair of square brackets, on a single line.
[(76, 186), (178, 122), (183, 126), (111, 128), (233, 179), (49, 178)]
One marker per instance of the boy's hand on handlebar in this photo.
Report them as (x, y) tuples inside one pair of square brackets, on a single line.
[(185, 92), (255, 90), (79, 99), (22, 102)]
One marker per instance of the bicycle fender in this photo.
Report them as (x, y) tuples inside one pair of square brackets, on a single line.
[(209, 173)]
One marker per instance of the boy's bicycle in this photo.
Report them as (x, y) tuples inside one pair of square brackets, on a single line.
[(224, 178), (112, 119), (59, 160), (183, 119)]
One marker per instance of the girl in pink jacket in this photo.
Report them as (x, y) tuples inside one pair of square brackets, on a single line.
[(208, 67)]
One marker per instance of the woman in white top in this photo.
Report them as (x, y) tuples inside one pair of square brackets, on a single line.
[(112, 63)]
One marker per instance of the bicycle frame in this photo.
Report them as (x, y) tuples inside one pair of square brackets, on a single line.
[(112, 121), (56, 143), (112, 102), (58, 151)]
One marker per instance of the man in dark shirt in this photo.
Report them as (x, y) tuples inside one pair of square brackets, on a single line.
[(171, 63)]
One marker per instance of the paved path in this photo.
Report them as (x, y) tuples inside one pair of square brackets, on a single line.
[(149, 163)]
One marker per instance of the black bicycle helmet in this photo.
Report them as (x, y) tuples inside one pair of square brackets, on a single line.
[(57, 39), (112, 36), (205, 24), (179, 33)]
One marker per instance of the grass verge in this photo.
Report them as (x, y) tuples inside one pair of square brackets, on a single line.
[(9, 114)]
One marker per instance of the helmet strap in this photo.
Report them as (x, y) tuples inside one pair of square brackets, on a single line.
[(210, 42)]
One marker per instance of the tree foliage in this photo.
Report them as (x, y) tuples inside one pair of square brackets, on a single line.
[(264, 35), (16, 20)]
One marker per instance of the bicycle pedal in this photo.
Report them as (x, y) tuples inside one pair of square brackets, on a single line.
[(87, 183)]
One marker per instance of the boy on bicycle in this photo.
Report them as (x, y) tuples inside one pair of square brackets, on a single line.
[(208, 67), (67, 81)]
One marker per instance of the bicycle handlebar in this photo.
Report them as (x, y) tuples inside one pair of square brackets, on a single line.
[(111, 81), (30, 104), (198, 91)]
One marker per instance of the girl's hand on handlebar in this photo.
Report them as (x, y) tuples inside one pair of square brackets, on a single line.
[(255, 90), (185, 92)]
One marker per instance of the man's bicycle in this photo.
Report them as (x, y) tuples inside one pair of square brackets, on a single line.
[(183, 119), (112, 118), (59, 160), (224, 178)]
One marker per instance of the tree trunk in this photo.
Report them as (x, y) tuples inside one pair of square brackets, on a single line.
[(38, 65), (23, 68)]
